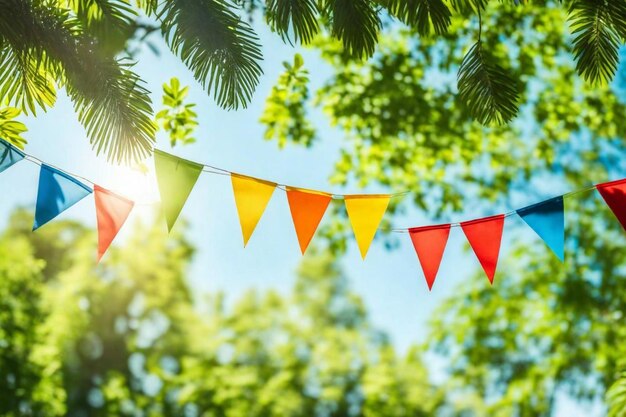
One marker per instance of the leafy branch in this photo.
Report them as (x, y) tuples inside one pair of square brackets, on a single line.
[(487, 90), (178, 119)]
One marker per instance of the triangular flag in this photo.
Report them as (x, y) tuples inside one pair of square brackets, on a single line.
[(176, 178), (429, 243), (614, 194), (365, 213), (57, 192), (9, 155), (112, 211), (485, 236), (548, 221), (307, 209), (251, 198)]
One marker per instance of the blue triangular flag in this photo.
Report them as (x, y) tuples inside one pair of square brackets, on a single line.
[(57, 192), (9, 155), (548, 221)]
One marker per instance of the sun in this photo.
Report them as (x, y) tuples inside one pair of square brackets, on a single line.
[(137, 183)]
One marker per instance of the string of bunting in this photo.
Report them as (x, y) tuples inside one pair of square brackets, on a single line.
[(176, 177)]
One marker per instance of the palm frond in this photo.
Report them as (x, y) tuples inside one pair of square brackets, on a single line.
[(596, 42), (422, 14), (489, 93), (617, 11), (297, 16), (109, 21), (111, 103), (221, 50), (116, 111), (148, 6), (356, 24), (109, 98), (466, 6), (24, 81)]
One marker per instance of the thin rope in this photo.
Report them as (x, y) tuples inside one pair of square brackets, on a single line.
[(209, 169)]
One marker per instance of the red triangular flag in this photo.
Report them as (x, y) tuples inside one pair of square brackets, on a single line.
[(429, 243), (485, 236), (112, 211), (614, 194)]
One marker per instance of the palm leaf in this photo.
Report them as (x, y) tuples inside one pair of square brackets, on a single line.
[(421, 14), (148, 6), (116, 111), (110, 101), (297, 16), (617, 12), (356, 24), (221, 50), (24, 81), (488, 92), (109, 21), (467, 6), (596, 42)]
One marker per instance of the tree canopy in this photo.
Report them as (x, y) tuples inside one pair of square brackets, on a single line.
[(86, 47), (128, 338)]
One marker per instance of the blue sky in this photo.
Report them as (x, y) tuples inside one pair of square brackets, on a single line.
[(390, 282)]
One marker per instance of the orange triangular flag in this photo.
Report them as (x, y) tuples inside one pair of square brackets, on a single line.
[(365, 213), (307, 209), (112, 211), (251, 198)]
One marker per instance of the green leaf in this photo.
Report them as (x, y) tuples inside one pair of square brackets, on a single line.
[(356, 24), (296, 16), (11, 130), (596, 40), (221, 50), (24, 82), (487, 91), (422, 14)]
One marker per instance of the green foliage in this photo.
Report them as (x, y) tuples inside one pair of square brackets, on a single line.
[(545, 327), (10, 129), (356, 24), (421, 14), (616, 397), (405, 128), (177, 118), (598, 27), (222, 51), (84, 45), (297, 15), (284, 114), (486, 89), (126, 337), (29, 382)]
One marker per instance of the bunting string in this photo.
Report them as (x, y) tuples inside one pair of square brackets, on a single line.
[(176, 178)]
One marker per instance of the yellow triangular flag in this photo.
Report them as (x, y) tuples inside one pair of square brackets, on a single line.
[(251, 198), (365, 213)]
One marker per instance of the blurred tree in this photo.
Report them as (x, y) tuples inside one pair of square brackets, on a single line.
[(544, 328), (127, 338), (407, 130)]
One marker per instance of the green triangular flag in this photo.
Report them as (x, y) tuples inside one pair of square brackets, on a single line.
[(176, 178)]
